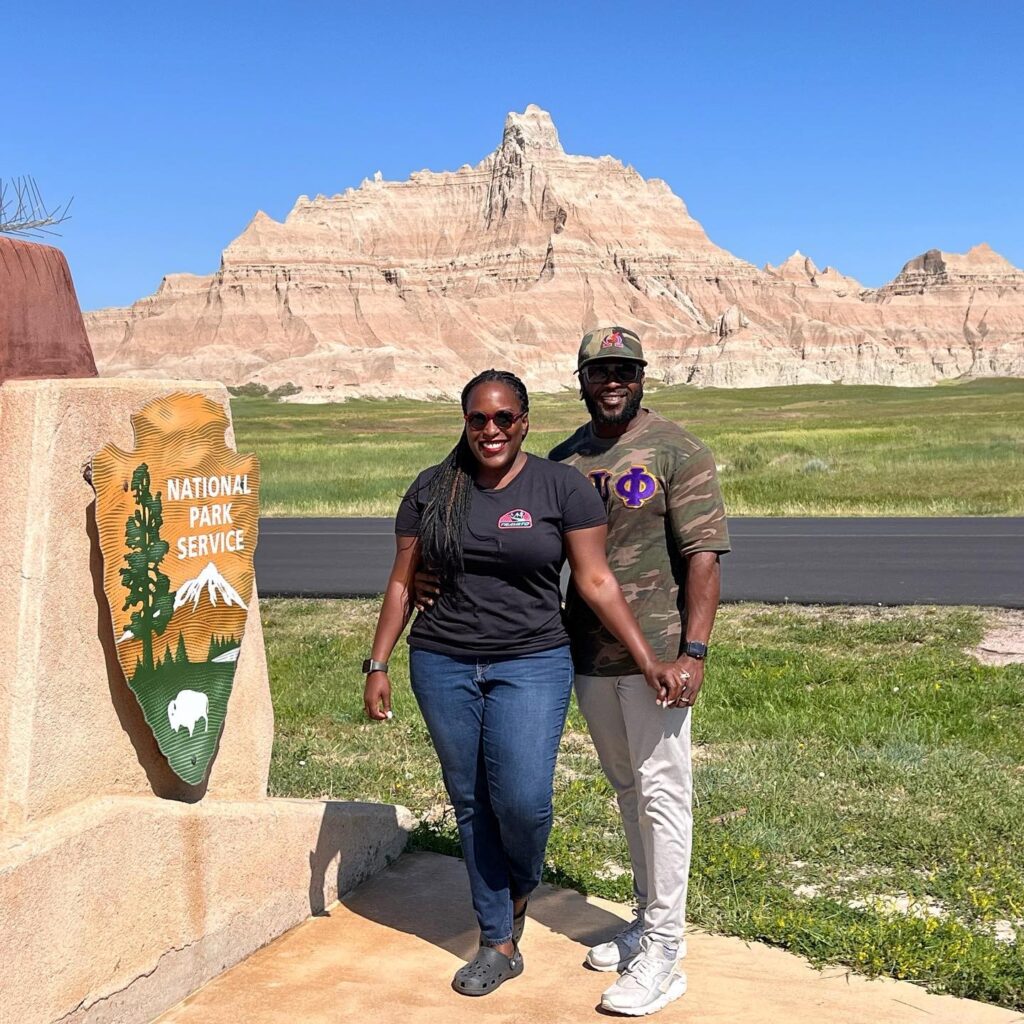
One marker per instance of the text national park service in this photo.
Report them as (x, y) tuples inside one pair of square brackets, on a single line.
[(201, 489)]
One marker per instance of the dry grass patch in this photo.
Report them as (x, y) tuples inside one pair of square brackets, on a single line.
[(1003, 642)]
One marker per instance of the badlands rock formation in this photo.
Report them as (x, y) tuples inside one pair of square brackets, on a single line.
[(412, 287)]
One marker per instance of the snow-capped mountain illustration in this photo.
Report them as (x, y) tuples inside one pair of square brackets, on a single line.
[(214, 583)]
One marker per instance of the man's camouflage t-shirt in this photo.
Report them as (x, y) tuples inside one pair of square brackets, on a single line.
[(660, 488)]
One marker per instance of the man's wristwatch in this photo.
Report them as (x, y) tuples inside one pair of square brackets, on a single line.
[(695, 649), (369, 665)]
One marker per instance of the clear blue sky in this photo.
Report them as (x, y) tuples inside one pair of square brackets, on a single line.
[(860, 133)]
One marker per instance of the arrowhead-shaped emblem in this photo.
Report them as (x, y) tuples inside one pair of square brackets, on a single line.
[(178, 520)]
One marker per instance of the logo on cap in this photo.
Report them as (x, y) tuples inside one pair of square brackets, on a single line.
[(614, 340), (517, 519)]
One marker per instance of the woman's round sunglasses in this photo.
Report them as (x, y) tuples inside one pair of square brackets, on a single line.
[(503, 419)]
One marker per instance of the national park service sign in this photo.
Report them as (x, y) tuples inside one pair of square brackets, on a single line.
[(178, 519)]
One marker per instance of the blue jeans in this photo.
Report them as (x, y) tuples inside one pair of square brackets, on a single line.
[(496, 725)]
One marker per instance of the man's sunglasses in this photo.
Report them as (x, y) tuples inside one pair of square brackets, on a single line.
[(503, 419), (601, 373)]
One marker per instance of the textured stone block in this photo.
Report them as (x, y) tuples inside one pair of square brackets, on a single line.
[(116, 909), (41, 329), (70, 728)]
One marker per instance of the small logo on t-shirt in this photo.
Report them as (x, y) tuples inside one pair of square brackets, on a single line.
[(517, 519)]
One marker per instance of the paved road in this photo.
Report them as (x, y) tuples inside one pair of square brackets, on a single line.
[(830, 561)]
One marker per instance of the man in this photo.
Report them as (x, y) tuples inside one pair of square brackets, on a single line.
[(666, 530)]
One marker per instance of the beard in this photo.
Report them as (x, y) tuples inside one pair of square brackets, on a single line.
[(624, 415)]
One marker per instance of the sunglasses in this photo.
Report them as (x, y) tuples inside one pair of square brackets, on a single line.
[(503, 419), (601, 373)]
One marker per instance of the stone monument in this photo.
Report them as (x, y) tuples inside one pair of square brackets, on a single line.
[(123, 887)]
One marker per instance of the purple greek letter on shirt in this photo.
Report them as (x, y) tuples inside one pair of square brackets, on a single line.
[(636, 486), (599, 478)]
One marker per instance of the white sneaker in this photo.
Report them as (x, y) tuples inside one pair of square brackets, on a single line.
[(616, 953), (653, 980)]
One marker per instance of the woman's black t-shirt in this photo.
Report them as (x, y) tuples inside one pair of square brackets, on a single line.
[(508, 600)]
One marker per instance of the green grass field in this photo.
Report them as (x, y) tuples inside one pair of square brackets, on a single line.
[(858, 782), (956, 449)]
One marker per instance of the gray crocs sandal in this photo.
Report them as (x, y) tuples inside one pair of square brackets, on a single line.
[(486, 971)]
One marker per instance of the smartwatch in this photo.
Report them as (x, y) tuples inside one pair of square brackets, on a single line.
[(369, 665), (695, 649)]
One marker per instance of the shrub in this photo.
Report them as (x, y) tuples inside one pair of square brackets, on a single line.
[(250, 390), (284, 391)]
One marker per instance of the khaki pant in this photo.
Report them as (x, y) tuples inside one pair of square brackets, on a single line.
[(645, 753)]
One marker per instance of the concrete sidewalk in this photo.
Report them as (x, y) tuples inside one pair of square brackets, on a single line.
[(387, 953)]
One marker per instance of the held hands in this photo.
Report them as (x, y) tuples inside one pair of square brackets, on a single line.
[(664, 678), (377, 696), (692, 670), (677, 683)]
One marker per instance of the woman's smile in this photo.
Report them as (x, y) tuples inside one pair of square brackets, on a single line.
[(494, 447)]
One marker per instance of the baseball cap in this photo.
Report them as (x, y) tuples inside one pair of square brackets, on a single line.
[(610, 343)]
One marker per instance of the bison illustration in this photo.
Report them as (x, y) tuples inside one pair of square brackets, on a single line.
[(187, 708)]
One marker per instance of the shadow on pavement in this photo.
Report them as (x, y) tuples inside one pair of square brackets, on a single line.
[(439, 911)]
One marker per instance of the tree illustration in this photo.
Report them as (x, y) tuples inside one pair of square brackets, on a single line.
[(147, 586), (220, 644), (181, 655)]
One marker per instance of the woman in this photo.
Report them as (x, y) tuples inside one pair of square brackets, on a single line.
[(490, 663)]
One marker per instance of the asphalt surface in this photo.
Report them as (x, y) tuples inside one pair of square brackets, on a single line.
[(977, 561)]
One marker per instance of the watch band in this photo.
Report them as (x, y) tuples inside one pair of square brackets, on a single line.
[(695, 649), (369, 665)]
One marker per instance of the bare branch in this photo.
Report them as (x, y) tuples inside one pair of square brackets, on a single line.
[(23, 212)]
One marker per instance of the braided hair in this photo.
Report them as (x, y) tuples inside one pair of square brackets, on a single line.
[(451, 490)]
